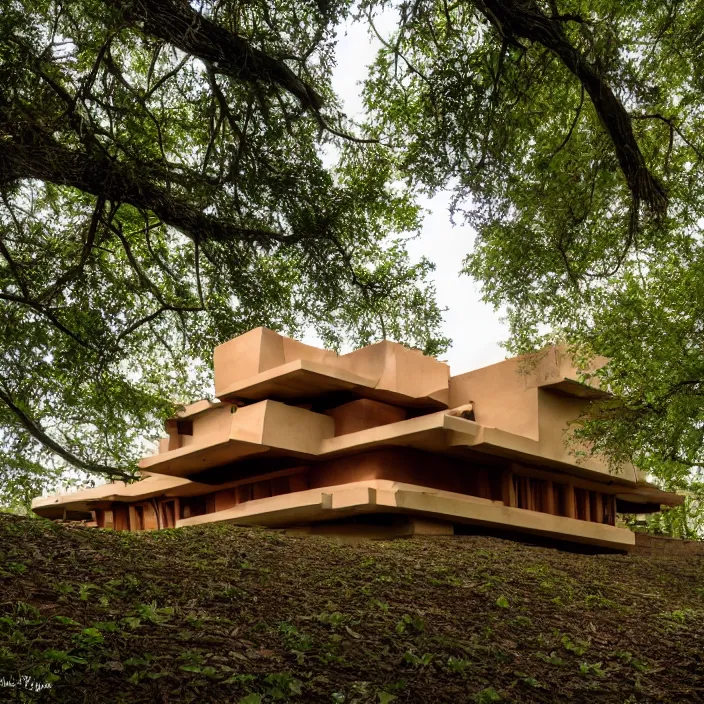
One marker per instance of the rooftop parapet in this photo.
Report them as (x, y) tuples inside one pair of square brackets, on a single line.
[(262, 364), (554, 368)]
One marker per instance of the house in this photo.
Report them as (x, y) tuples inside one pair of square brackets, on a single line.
[(382, 441)]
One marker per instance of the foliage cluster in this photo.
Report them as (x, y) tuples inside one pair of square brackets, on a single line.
[(166, 183)]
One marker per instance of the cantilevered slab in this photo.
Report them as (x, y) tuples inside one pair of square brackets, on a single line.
[(295, 380), (384, 496), (265, 365), (87, 499), (239, 433), (554, 368), (283, 430)]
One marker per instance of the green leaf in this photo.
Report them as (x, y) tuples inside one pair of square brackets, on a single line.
[(386, 698), (252, 698)]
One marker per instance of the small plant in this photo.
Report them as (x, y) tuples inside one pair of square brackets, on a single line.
[(412, 624), (282, 685), (84, 591), (578, 648), (66, 621), (63, 589), (333, 619), (154, 614), (386, 697), (487, 696), (14, 568), (422, 661), (252, 698), (587, 669), (552, 659), (381, 605), (523, 621), (457, 664), (597, 601), (527, 679)]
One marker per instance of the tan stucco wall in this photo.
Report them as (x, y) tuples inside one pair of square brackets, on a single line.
[(500, 397), (554, 365), (208, 426), (257, 351), (297, 428), (397, 369), (363, 414), (556, 411)]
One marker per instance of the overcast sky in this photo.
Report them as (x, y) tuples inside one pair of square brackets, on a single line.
[(475, 329)]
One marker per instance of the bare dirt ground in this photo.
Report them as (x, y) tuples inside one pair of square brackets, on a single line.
[(226, 614)]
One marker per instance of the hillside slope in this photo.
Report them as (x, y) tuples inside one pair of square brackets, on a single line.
[(225, 614)]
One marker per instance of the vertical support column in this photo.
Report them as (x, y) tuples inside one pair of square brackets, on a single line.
[(174, 441), (609, 509), (483, 487), (547, 498), (150, 515), (528, 487), (121, 516), (570, 507), (597, 507), (587, 504), (508, 493)]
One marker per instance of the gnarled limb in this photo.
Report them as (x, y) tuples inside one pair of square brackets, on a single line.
[(179, 24), (36, 155), (38, 433), (524, 19)]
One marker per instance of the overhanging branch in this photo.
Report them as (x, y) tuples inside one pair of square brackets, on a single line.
[(36, 155), (38, 433), (526, 20), (179, 24)]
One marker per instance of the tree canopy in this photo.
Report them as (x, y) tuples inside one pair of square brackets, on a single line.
[(164, 186), (570, 133)]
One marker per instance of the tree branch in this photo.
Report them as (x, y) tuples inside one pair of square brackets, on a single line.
[(36, 155), (673, 128), (38, 433), (43, 310), (179, 24), (525, 19), (568, 136)]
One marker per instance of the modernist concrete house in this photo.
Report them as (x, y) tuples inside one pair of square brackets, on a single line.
[(382, 442)]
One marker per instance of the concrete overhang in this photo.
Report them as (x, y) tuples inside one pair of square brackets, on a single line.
[(88, 499), (262, 364), (192, 459), (302, 379), (384, 496), (280, 430), (578, 389), (646, 493)]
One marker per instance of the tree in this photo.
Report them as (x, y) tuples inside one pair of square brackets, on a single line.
[(570, 132), (162, 189)]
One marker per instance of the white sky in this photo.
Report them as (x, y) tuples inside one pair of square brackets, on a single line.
[(475, 329)]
